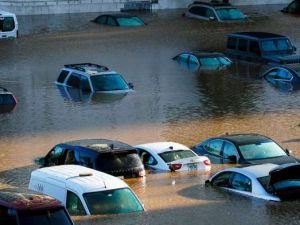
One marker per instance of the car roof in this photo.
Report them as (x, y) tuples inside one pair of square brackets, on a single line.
[(4, 91), (23, 199), (295, 67), (79, 178), (5, 13), (212, 3), (257, 171), (242, 139), (101, 145), (160, 147), (119, 15), (88, 68), (258, 35)]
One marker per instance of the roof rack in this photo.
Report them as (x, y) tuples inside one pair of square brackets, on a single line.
[(213, 3), (87, 67)]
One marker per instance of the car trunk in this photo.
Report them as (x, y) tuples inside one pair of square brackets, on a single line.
[(193, 163), (285, 181)]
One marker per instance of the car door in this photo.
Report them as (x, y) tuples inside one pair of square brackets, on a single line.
[(55, 156), (213, 149), (229, 153), (101, 20), (240, 183), (149, 161), (198, 12)]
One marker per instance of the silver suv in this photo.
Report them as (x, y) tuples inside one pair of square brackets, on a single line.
[(214, 11)]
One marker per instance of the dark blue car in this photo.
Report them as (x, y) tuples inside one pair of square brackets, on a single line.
[(244, 149), (113, 157)]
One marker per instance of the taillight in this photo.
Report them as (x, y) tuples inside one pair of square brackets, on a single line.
[(174, 167), (206, 162)]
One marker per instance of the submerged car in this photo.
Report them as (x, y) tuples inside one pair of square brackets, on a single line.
[(24, 207), (283, 73), (121, 20), (266, 181), (203, 60), (293, 7), (113, 157), (90, 77), (244, 149), (171, 156), (8, 25), (214, 11), (7, 100), (261, 47), (85, 191)]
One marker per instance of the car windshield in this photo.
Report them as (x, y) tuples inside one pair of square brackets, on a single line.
[(230, 14), (109, 82), (130, 21), (112, 202), (117, 161), (276, 45), (261, 150), (175, 155), (45, 217)]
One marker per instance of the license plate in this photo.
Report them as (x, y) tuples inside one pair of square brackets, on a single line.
[(192, 166)]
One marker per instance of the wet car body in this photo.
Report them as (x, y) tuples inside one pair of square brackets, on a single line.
[(7, 101), (23, 207), (120, 20), (244, 149), (90, 77), (113, 157), (283, 73), (292, 8), (214, 11), (265, 181), (195, 60), (171, 156), (262, 47)]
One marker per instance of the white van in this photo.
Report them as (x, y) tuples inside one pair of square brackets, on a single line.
[(85, 191), (8, 25)]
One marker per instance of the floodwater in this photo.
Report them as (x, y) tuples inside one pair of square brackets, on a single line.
[(169, 103)]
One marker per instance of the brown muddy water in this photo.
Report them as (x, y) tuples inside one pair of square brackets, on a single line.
[(169, 103)]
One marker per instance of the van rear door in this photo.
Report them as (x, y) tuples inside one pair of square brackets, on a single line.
[(8, 27)]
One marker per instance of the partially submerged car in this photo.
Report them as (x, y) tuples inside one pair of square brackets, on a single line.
[(7, 100), (203, 60), (266, 181), (24, 207), (214, 11), (120, 19), (244, 149), (293, 8), (85, 191), (171, 156), (261, 47), (8, 25), (90, 77), (113, 157)]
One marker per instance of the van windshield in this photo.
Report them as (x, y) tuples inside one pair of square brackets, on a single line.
[(112, 202), (45, 217), (7, 24)]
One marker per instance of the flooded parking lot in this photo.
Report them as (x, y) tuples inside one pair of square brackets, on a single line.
[(169, 103)]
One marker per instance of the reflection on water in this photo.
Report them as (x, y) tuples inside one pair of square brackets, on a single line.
[(168, 104)]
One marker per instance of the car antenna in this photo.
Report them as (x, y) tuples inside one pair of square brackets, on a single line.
[(171, 147)]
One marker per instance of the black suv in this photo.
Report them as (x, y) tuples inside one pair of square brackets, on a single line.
[(262, 47), (113, 157)]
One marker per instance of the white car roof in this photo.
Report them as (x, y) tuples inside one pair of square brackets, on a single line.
[(89, 181), (4, 13), (160, 147)]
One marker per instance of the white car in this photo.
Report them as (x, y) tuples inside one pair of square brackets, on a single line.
[(171, 156), (8, 25), (265, 181), (85, 191)]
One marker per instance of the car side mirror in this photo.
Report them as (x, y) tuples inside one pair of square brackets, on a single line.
[(288, 152), (212, 18), (131, 86), (294, 48), (232, 158)]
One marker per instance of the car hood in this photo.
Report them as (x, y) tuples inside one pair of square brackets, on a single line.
[(277, 160), (283, 59)]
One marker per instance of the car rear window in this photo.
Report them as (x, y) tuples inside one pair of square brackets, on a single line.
[(62, 76), (7, 24), (7, 99), (118, 160), (171, 156)]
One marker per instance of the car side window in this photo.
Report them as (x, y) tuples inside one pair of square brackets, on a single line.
[(273, 74), (284, 75), (85, 84), (198, 10), (241, 182), (231, 43), (62, 76), (214, 147), (55, 157), (193, 59), (8, 216), (210, 14), (183, 57), (74, 80), (147, 158), (70, 157), (229, 149), (242, 45), (111, 21), (222, 180), (85, 160), (254, 48), (101, 20), (74, 204)]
